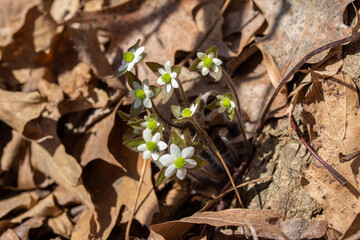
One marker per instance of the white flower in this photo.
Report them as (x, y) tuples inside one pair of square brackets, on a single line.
[(224, 104), (167, 77), (150, 123), (209, 64), (178, 161), (188, 112), (152, 145), (131, 58), (142, 94)]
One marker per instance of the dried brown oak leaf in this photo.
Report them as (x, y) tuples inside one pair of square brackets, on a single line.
[(298, 27), (331, 110), (257, 219)]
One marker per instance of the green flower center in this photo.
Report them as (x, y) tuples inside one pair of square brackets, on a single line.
[(208, 62), (152, 125), (129, 56), (151, 146), (226, 103), (140, 94), (180, 163), (186, 112), (166, 77)]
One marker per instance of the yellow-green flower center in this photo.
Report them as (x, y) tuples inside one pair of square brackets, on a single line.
[(151, 146), (180, 163), (208, 62), (129, 56), (186, 112), (140, 94), (152, 125), (226, 103), (166, 77)]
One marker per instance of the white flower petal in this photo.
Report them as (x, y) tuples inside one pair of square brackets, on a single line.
[(146, 154), (190, 163), (174, 83), (149, 93), (211, 55), (168, 87), (166, 160), (187, 152), (201, 55), (204, 71), (161, 71), (137, 59), (122, 67), (232, 104), (218, 75), (215, 68), (175, 151), (200, 65), (142, 147), (156, 138), (220, 97), (221, 109), (181, 173), (217, 61), (167, 67), (137, 103), (136, 85), (170, 170), (144, 124), (162, 145), (139, 51), (132, 93), (147, 103), (173, 75), (155, 155), (145, 85), (132, 50), (160, 81), (147, 135), (130, 66)]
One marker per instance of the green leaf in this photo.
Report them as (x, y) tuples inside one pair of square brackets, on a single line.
[(118, 74), (187, 137), (212, 49), (134, 143), (199, 147), (166, 95), (213, 105), (130, 133), (161, 177), (176, 110), (131, 79), (158, 129), (136, 111), (154, 67), (156, 91), (135, 46), (231, 115), (193, 66), (135, 123), (123, 116), (176, 69), (228, 95), (175, 138), (143, 56), (200, 162)]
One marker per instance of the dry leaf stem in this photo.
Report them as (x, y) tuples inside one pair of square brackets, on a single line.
[(237, 112), (332, 171), (348, 157), (216, 153), (292, 72), (183, 92), (207, 34), (127, 232)]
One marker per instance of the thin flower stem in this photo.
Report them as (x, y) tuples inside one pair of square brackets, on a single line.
[(136, 71), (127, 232), (237, 112), (183, 92), (164, 120), (215, 151), (332, 171)]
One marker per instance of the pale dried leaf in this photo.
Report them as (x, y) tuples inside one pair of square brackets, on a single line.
[(24, 200), (61, 225)]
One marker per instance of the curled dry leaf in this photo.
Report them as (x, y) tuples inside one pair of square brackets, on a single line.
[(331, 110), (61, 225), (23, 229), (24, 200), (258, 219), (297, 28)]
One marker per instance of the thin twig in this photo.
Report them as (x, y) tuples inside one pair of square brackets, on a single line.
[(207, 34), (332, 171), (183, 92), (237, 111), (292, 72), (216, 153), (127, 232)]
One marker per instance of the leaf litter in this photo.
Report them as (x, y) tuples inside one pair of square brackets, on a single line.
[(65, 173)]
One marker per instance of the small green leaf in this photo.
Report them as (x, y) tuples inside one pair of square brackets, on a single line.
[(176, 110), (212, 49), (136, 111), (156, 91), (231, 115), (135, 46), (131, 79), (166, 95), (136, 123), (143, 56), (123, 116), (199, 147), (200, 162), (193, 66), (175, 138), (187, 137), (154, 67), (158, 129), (176, 69), (161, 177), (118, 74), (130, 133), (228, 95), (213, 105), (134, 143)]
